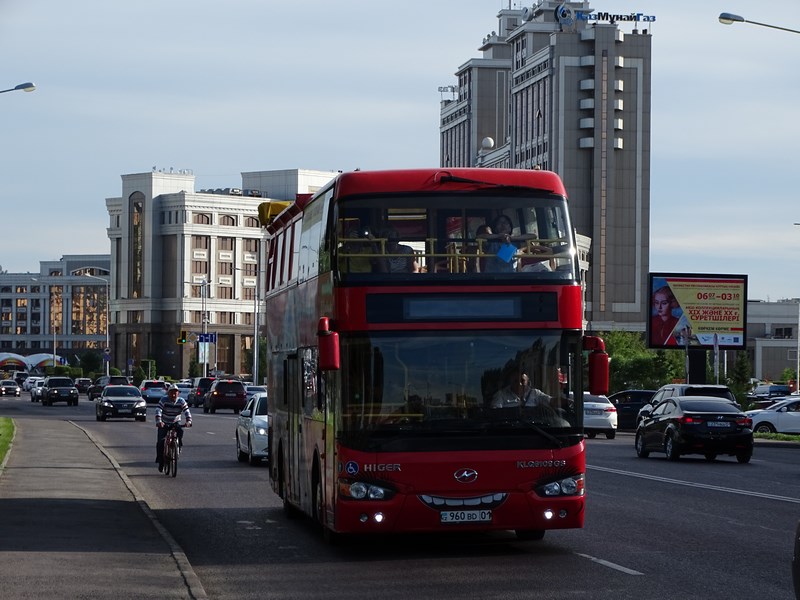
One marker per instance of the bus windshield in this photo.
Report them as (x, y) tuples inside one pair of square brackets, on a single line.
[(480, 232), (457, 382)]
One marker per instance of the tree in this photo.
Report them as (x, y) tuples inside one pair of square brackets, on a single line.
[(91, 361), (634, 366), (739, 377)]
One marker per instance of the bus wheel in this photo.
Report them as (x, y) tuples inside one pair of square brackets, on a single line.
[(529, 535), (316, 487), (288, 510)]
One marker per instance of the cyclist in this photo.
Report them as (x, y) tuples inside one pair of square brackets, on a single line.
[(168, 412)]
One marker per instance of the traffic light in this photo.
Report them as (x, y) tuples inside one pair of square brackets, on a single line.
[(182, 338)]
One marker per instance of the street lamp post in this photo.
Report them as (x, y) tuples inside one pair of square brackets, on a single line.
[(108, 322), (729, 19), (25, 87)]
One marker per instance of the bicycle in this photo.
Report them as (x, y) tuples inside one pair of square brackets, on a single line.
[(171, 449)]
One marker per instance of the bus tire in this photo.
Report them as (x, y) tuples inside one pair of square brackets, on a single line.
[(288, 510)]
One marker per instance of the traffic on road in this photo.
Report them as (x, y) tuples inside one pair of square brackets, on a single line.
[(652, 527)]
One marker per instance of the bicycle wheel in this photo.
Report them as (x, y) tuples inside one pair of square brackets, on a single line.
[(167, 456), (174, 457)]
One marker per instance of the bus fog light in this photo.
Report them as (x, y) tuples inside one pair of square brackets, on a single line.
[(378, 517), (363, 518), (548, 514), (562, 513)]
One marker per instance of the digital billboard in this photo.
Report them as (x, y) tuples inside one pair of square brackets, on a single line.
[(699, 311)]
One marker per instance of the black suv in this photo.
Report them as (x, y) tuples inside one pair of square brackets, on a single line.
[(96, 389), (83, 384), (198, 395), (225, 393), (686, 389), (59, 389)]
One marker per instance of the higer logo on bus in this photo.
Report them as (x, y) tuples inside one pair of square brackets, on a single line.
[(381, 467)]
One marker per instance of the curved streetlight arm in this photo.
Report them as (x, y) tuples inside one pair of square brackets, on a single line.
[(729, 18), (25, 87)]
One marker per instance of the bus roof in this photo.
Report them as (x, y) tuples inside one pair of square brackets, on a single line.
[(367, 182), (355, 183)]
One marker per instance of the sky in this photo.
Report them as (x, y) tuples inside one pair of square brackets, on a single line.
[(222, 88)]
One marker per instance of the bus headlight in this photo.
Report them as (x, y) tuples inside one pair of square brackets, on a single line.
[(360, 490), (569, 486)]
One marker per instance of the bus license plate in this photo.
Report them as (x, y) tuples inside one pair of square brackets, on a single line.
[(466, 516)]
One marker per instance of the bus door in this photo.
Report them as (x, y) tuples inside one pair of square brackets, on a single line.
[(294, 424)]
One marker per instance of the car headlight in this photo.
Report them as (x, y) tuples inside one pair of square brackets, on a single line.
[(574, 485), (140, 403), (107, 404), (360, 490), (261, 430)]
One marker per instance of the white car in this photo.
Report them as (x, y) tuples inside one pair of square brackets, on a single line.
[(184, 389), (781, 417), (252, 442), (255, 391), (36, 390), (599, 416), (30, 382)]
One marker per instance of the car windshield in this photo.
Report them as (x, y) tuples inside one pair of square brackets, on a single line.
[(261, 407), (714, 406), (596, 399), (716, 392), (121, 391), (60, 383), (256, 389), (8, 382), (154, 384)]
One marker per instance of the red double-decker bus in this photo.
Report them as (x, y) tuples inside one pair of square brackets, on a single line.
[(426, 353)]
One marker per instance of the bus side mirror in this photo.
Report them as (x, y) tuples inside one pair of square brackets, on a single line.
[(328, 346), (598, 365)]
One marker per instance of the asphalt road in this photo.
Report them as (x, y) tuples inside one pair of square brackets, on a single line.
[(654, 529)]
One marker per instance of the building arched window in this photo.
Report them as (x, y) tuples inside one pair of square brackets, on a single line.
[(227, 221), (251, 222), (136, 248), (201, 219)]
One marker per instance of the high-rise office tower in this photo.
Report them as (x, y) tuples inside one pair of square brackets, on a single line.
[(562, 87)]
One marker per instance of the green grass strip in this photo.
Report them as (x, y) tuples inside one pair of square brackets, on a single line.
[(6, 434)]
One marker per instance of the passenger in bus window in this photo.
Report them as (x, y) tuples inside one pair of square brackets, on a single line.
[(501, 247), (400, 258), (519, 392), (359, 253), (476, 261)]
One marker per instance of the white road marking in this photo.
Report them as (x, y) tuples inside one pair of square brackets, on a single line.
[(705, 486), (610, 565)]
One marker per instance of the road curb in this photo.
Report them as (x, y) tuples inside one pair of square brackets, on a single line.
[(195, 588)]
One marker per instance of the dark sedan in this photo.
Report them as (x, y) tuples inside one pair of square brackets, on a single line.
[(695, 425), (121, 402), (628, 403), (9, 387)]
